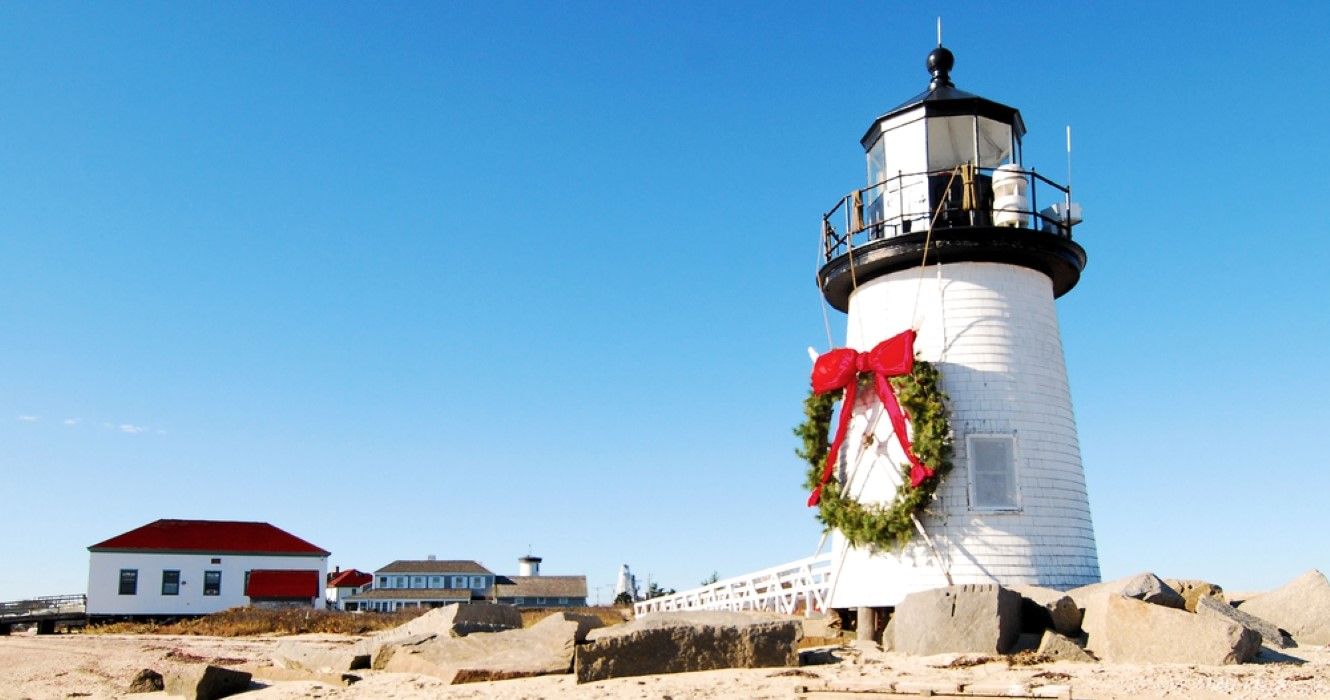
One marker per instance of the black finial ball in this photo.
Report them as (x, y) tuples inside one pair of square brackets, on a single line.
[(940, 60), (939, 63)]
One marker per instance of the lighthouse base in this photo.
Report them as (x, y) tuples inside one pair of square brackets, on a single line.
[(862, 578)]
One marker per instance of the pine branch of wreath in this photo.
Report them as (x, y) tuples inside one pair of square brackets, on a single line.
[(874, 526)]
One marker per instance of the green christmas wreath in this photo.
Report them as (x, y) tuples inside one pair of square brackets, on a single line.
[(875, 526)]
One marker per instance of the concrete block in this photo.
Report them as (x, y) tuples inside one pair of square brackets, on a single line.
[(685, 642), (979, 618)]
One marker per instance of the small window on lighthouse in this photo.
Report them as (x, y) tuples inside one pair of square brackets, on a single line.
[(992, 472)]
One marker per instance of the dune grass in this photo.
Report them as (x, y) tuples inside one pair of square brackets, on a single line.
[(253, 622)]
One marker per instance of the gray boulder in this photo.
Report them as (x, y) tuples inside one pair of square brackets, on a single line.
[(146, 681), (688, 641), (1093, 601), (459, 620), (1302, 607), (1138, 632), (1192, 590), (321, 658), (454, 620), (981, 618), (544, 648), (1271, 635), (1048, 608), (206, 682), (1060, 647)]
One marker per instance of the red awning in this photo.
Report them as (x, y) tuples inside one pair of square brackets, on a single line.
[(282, 583)]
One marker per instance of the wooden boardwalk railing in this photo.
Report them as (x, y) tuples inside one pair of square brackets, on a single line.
[(799, 586)]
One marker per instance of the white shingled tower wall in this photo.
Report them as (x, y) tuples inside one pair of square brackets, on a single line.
[(992, 330)]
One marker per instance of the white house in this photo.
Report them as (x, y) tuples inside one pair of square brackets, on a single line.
[(171, 568), (343, 584), (431, 583)]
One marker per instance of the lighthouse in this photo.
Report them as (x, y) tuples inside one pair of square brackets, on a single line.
[(957, 239)]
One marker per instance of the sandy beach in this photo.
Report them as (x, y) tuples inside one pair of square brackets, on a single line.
[(101, 666)]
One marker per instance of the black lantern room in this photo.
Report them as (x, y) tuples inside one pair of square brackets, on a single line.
[(945, 173)]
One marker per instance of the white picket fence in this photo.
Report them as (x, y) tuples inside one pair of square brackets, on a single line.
[(779, 589)]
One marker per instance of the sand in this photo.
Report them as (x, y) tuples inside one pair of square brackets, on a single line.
[(100, 666)]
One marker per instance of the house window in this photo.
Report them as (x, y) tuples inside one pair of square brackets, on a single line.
[(436, 582), (519, 601), (477, 582), (129, 582), (400, 582), (563, 601), (459, 582), (540, 601), (992, 472), (383, 582), (212, 583), (170, 582), (417, 581), (216, 560)]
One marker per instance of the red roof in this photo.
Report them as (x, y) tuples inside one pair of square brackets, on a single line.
[(209, 536), (282, 583), (349, 579)]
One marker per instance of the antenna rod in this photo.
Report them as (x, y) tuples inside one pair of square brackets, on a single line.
[(939, 31), (1068, 157)]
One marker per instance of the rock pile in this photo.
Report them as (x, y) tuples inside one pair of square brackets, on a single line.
[(543, 649), (1302, 607), (1139, 619)]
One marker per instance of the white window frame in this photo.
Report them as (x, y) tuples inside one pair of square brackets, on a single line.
[(458, 582), (1010, 438), (477, 582)]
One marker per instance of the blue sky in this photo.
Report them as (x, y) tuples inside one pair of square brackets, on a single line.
[(463, 279)]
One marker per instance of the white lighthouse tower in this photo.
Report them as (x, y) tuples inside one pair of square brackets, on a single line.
[(957, 239)]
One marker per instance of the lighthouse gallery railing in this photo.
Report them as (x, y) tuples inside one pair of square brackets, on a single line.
[(799, 586), (899, 205)]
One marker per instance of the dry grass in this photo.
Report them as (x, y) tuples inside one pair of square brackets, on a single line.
[(1029, 657), (252, 622), (248, 622), (608, 615)]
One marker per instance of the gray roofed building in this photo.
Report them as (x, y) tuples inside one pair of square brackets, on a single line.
[(450, 594), (412, 583), (541, 591), (434, 566)]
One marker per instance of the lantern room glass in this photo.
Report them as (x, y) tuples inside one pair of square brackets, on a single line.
[(954, 141)]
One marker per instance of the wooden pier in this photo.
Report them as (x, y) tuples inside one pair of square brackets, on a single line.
[(48, 613)]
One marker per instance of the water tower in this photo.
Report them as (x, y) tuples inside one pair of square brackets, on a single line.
[(956, 238)]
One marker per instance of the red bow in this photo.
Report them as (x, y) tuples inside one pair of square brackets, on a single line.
[(840, 368)]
